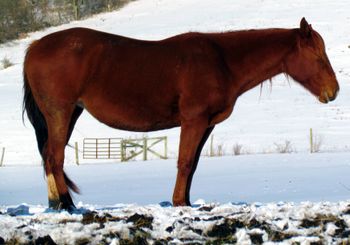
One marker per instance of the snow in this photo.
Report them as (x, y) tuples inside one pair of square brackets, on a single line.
[(241, 179), (280, 189), (282, 113), (306, 222)]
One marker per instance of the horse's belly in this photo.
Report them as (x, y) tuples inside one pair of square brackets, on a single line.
[(133, 117)]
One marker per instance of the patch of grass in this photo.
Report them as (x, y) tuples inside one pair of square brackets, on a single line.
[(141, 220), (317, 143), (285, 147), (226, 229), (256, 238), (5, 62), (319, 242), (81, 241), (163, 241), (13, 241), (220, 150), (237, 149), (206, 208), (139, 237), (307, 223), (279, 236), (110, 236), (47, 240), (93, 217), (220, 241), (345, 242)]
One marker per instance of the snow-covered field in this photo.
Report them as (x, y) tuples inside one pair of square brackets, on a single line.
[(282, 223), (266, 194), (282, 113)]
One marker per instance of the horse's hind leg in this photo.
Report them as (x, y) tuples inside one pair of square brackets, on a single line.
[(76, 114), (58, 122)]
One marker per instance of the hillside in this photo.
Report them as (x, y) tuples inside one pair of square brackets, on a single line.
[(261, 119)]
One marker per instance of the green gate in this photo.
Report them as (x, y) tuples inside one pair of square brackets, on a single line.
[(124, 149)]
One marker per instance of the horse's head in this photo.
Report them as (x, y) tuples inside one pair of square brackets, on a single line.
[(309, 64)]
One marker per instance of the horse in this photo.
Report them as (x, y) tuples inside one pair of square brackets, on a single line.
[(191, 80)]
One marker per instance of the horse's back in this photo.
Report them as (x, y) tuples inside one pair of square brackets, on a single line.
[(117, 79), (127, 83)]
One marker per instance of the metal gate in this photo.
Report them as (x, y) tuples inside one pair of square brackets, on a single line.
[(102, 148), (124, 149)]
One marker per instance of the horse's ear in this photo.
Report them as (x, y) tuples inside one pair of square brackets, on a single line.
[(305, 28)]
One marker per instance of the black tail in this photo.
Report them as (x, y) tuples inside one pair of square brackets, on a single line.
[(34, 115), (38, 121)]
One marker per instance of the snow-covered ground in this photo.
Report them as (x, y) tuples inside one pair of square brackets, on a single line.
[(261, 120), (252, 178), (282, 113), (282, 223)]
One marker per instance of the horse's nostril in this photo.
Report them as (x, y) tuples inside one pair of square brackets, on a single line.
[(334, 95), (326, 97)]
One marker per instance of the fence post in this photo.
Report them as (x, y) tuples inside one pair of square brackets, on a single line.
[(76, 9), (122, 155), (212, 145), (311, 142), (109, 148), (2, 156), (166, 147), (76, 153), (144, 148), (96, 148)]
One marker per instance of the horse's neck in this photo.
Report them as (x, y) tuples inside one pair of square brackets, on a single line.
[(255, 56)]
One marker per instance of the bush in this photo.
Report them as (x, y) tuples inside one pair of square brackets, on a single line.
[(5, 62), (316, 144), (285, 147), (237, 148), (23, 16)]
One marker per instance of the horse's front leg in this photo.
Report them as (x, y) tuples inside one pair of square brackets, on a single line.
[(192, 134), (196, 159)]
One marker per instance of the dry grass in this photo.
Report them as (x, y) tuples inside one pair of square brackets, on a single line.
[(316, 143), (237, 149), (5, 62), (285, 147)]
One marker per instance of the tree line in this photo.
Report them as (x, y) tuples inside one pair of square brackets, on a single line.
[(18, 17)]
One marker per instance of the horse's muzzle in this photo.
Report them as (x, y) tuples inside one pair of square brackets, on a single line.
[(328, 95)]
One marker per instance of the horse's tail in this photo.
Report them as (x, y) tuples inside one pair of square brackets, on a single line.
[(37, 119), (34, 115)]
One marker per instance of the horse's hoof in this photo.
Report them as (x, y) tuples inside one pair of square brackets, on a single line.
[(59, 205), (55, 204)]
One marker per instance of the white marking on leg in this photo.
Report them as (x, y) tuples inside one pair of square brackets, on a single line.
[(52, 188)]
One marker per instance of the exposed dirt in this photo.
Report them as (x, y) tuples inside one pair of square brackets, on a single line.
[(215, 224)]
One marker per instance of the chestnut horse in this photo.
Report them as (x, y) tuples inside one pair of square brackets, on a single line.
[(190, 80)]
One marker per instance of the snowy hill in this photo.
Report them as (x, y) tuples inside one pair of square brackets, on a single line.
[(282, 113)]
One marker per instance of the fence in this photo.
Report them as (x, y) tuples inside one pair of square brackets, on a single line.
[(2, 156), (102, 148), (131, 148), (122, 149)]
